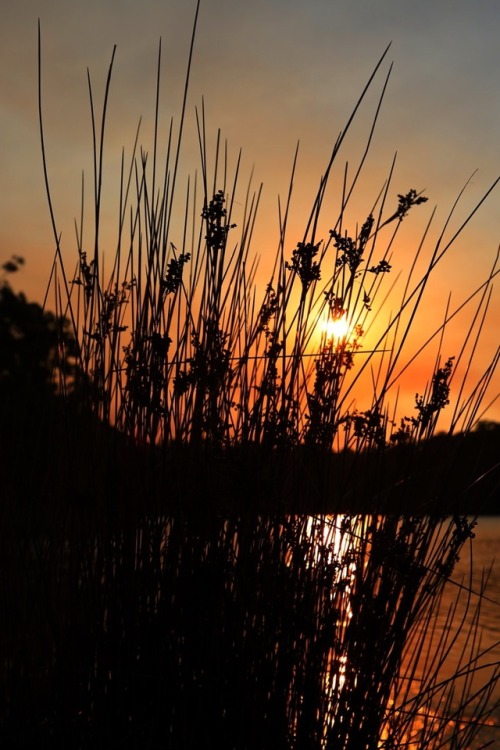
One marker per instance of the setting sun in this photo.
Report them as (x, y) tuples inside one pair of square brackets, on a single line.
[(336, 329)]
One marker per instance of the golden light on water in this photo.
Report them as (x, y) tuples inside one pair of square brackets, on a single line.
[(422, 703)]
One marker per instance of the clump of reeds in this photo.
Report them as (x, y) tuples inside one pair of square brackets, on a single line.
[(178, 345), (282, 631), (164, 609)]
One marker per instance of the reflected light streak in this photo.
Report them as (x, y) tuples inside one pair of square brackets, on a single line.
[(341, 541)]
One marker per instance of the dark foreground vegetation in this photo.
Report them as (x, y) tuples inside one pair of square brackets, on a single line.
[(204, 540), (57, 462), (57, 458)]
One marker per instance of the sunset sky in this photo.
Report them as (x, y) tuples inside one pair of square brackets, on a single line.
[(272, 72)]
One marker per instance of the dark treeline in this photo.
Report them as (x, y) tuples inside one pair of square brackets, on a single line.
[(55, 456)]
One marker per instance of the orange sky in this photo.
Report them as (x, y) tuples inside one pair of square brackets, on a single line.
[(272, 72)]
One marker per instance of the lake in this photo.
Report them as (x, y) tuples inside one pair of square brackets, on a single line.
[(465, 622), (479, 569), (451, 647)]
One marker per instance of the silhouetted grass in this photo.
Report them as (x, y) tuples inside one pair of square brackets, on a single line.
[(174, 585)]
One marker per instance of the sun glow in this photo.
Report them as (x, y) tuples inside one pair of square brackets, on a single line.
[(336, 329)]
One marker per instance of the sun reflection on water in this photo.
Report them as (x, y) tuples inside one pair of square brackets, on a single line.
[(425, 703)]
